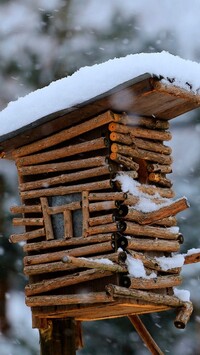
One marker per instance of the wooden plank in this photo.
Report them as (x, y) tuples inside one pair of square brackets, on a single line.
[(28, 222)]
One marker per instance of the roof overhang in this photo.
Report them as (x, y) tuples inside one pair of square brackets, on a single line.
[(144, 96)]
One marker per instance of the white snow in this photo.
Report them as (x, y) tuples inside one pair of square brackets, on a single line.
[(171, 262), (145, 203), (183, 295), (136, 268), (89, 82), (193, 251)]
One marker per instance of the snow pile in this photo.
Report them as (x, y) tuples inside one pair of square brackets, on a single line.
[(193, 251), (89, 82), (167, 263), (136, 268), (144, 204), (183, 295)]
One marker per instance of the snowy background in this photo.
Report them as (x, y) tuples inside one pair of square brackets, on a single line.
[(45, 40)]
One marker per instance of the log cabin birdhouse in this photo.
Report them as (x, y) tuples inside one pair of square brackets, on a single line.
[(97, 204)]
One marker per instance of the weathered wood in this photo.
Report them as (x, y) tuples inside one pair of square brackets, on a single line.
[(102, 206), (26, 209), (64, 135), (140, 132), (60, 266), (85, 213), (136, 120), (64, 190), (65, 166), (63, 281), (94, 264), (28, 222), (47, 219), (146, 296), (59, 153), (121, 138), (37, 233), (72, 206), (151, 145), (150, 231), (164, 169), (153, 283), (65, 178), (141, 153), (183, 315), (68, 224), (58, 300), (145, 335), (123, 160), (167, 222), (97, 248), (104, 228), (192, 258), (78, 241), (159, 179), (101, 196), (145, 244), (100, 220)]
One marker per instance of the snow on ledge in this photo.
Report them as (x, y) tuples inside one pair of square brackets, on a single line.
[(89, 82)]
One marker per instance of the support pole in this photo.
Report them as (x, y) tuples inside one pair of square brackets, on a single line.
[(59, 338)]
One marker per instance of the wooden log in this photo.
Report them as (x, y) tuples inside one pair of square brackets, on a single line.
[(78, 241), (108, 196), (145, 244), (68, 224), (100, 220), (102, 206), (140, 153), (152, 283), (150, 231), (58, 300), (87, 250), (145, 335), (26, 209), (85, 213), (64, 190), (59, 153), (151, 146), (58, 266), (47, 219), (151, 263), (65, 178), (121, 138), (28, 222), (160, 179), (72, 206), (137, 216), (63, 281), (37, 233), (104, 228), (163, 169), (140, 132), (192, 258), (134, 120), (151, 190), (133, 200), (167, 222), (64, 166), (183, 315), (94, 264), (170, 210), (145, 296), (65, 135), (123, 160), (132, 173)]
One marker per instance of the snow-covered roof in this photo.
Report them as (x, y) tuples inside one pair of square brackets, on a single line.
[(87, 83)]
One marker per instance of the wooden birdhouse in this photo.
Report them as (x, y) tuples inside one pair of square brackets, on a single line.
[(97, 205)]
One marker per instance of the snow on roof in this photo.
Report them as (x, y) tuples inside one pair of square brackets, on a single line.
[(89, 82)]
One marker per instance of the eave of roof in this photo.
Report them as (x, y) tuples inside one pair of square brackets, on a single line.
[(144, 95)]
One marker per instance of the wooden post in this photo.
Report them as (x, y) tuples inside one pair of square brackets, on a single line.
[(59, 338)]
